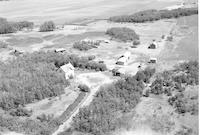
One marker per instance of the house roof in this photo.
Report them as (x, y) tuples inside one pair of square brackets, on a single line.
[(67, 67)]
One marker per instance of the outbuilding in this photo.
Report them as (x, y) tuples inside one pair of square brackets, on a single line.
[(60, 50), (153, 60), (68, 69)]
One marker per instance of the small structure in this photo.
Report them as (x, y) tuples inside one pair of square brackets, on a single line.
[(17, 52), (69, 70), (123, 60), (106, 41), (118, 72), (60, 50), (153, 45), (153, 60)]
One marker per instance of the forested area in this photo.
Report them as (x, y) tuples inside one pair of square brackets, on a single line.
[(173, 84), (123, 34), (35, 76), (101, 116), (153, 15), (11, 27)]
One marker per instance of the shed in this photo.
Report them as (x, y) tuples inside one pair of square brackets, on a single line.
[(106, 41), (153, 45), (69, 70), (118, 72), (61, 50), (153, 60)]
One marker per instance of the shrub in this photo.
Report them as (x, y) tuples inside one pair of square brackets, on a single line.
[(84, 88), (136, 42), (82, 46), (124, 34), (45, 118), (47, 26), (20, 112)]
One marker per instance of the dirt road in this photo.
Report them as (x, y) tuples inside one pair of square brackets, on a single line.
[(88, 79)]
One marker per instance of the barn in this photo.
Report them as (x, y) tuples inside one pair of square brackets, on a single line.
[(69, 70), (123, 60)]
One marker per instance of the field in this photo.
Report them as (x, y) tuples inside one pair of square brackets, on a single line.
[(73, 10)]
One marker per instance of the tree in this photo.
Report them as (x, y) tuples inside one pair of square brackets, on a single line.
[(47, 26)]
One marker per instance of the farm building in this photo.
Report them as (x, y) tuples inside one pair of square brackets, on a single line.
[(91, 41), (118, 72), (61, 50), (123, 60), (153, 60), (153, 45), (69, 70)]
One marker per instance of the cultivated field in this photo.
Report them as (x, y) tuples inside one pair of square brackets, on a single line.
[(74, 10)]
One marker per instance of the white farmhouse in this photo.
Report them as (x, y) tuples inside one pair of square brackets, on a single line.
[(123, 60), (69, 70)]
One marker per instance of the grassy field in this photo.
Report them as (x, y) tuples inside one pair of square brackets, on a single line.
[(67, 10), (185, 44)]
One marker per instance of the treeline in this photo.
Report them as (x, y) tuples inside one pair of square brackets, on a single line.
[(101, 116), (11, 27), (84, 46), (173, 84), (153, 15), (124, 34), (47, 26)]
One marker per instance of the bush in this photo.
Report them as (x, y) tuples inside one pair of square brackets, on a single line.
[(136, 42), (47, 26), (124, 34), (45, 118), (82, 46), (20, 112), (84, 88)]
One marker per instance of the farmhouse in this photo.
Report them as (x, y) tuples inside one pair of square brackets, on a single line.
[(153, 45), (69, 70)]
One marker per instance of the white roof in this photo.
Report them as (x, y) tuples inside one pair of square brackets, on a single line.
[(153, 59), (122, 59), (155, 43), (67, 67), (127, 54)]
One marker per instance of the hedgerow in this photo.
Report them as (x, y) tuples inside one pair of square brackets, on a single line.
[(153, 15)]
